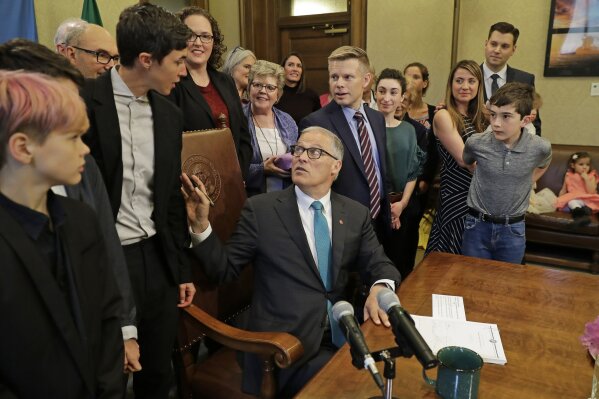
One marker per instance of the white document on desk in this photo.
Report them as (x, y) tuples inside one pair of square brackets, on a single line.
[(448, 307), (482, 338)]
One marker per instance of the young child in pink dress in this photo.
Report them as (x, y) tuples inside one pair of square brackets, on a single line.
[(579, 192)]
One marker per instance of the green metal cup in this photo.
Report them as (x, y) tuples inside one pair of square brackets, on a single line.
[(458, 374)]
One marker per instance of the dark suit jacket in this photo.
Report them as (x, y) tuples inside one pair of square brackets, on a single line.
[(197, 114), (517, 75), (92, 191), (289, 294), (42, 352), (352, 181), (104, 140)]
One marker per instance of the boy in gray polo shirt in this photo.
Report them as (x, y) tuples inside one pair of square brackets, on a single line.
[(507, 164)]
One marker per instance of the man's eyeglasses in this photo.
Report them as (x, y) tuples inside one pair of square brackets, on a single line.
[(204, 38), (313, 153), (102, 57), (269, 88)]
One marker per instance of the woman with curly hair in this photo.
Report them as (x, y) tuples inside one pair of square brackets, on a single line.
[(207, 97)]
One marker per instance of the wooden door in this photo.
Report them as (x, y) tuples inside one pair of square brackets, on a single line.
[(314, 37), (271, 33)]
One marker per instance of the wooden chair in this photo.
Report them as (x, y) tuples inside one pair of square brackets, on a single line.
[(218, 311)]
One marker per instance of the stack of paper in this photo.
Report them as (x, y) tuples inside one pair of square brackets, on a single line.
[(448, 327), (482, 338)]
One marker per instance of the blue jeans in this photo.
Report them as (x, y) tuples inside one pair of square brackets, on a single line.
[(486, 240)]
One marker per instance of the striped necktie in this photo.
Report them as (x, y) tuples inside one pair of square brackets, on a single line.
[(369, 166)]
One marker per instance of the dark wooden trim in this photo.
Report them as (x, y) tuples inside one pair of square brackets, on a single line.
[(455, 33), (358, 11), (242, 24)]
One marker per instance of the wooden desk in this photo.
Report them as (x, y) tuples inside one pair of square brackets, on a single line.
[(540, 313)]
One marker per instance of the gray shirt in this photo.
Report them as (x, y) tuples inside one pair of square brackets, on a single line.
[(503, 177), (134, 219)]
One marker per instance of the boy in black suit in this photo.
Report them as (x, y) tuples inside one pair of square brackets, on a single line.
[(34, 57), (60, 304), (135, 137)]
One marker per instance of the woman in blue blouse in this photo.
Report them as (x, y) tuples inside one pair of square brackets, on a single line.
[(404, 163), (272, 131)]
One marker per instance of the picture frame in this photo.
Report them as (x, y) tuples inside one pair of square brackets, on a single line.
[(573, 38)]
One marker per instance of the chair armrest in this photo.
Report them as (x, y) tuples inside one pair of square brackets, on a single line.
[(285, 348)]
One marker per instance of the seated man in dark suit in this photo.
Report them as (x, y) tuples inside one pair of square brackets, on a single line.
[(303, 242), (60, 306), (499, 47), (34, 57)]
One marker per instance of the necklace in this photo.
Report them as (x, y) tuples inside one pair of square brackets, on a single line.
[(198, 79), (276, 152)]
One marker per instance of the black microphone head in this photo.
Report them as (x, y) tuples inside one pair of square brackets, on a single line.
[(387, 299), (340, 309)]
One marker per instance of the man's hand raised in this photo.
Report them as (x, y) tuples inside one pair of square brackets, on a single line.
[(197, 202)]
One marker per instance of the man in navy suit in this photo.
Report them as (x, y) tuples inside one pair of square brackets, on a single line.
[(499, 47), (277, 233), (349, 74)]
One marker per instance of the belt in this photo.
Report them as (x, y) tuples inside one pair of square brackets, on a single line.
[(495, 219)]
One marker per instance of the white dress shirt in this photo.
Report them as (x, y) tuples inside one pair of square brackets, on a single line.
[(488, 81)]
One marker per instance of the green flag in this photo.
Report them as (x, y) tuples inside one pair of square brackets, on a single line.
[(90, 12)]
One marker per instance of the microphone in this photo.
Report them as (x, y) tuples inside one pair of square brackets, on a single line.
[(405, 329), (343, 314)]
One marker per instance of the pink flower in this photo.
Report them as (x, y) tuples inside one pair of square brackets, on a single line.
[(590, 338)]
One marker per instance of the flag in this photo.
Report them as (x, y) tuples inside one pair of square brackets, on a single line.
[(90, 12), (18, 20)]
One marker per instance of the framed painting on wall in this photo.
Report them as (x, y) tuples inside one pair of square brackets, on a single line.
[(573, 38)]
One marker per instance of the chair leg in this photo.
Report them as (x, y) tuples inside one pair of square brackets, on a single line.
[(269, 385)]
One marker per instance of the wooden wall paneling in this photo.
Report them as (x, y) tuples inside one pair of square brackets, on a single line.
[(358, 13), (260, 28)]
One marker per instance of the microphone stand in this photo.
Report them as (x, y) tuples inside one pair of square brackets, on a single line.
[(388, 373), (387, 356)]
